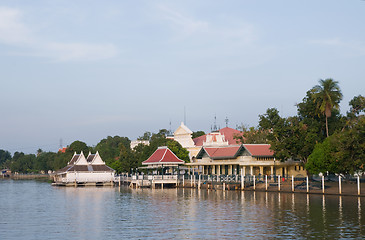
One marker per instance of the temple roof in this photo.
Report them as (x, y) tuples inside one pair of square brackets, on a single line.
[(220, 152), (182, 129), (259, 150), (79, 163), (227, 132), (230, 152), (163, 155)]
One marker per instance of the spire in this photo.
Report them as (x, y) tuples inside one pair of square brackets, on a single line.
[(214, 128)]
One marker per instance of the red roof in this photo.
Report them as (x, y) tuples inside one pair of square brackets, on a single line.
[(62, 150), (163, 155), (259, 149), (228, 133), (220, 152)]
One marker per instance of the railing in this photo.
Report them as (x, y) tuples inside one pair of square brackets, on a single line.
[(153, 177), (333, 184)]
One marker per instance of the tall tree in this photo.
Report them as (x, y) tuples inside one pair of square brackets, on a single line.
[(4, 156), (327, 95)]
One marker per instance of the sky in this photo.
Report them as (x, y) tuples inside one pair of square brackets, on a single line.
[(85, 70)]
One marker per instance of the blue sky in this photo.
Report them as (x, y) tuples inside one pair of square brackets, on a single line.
[(84, 70)]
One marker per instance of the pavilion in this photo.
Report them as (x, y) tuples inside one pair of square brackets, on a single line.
[(163, 158), (85, 171)]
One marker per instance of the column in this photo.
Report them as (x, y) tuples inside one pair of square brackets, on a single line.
[(272, 170), (261, 170), (213, 170), (244, 170), (230, 170), (203, 170), (219, 170), (251, 170)]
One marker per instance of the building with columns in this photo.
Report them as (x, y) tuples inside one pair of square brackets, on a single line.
[(218, 153), (245, 159)]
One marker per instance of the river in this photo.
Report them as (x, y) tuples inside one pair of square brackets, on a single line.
[(36, 210)]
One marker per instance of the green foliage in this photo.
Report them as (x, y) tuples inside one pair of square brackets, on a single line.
[(4, 156), (23, 163), (78, 146), (197, 134), (145, 136), (327, 95), (252, 136), (179, 151), (357, 105), (109, 148), (44, 161), (343, 152), (320, 161)]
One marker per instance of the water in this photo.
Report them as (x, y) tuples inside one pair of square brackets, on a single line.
[(36, 210)]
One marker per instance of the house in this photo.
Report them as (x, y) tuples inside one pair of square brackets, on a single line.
[(221, 137), (85, 171), (245, 159), (135, 143), (163, 158), (219, 153)]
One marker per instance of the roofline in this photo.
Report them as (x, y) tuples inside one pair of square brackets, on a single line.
[(162, 163)]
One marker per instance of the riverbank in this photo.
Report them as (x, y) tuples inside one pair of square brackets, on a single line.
[(28, 176)]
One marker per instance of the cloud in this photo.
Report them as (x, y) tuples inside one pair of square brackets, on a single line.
[(185, 26), (80, 51), (15, 32), (12, 30)]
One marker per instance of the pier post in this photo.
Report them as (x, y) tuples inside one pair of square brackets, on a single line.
[(307, 184), (339, 184), (322, 184), (292, 183), (266, 182), (358, 185), (199, 181), (242, 182), (183, 183), (279, 183), (254, 182)]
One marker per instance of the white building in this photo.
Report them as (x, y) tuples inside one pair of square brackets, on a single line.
[(81, 170), (135, 143)]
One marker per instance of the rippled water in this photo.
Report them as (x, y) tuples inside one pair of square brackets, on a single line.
[(36, 210)]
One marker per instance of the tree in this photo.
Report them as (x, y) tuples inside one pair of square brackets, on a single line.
[(197, 134), (289, 137), (252, 136), (357, 105), (23, 163), (342, 152), (145, 136), (178, 150), (320, 161), (127, 161), (4, 156), (44, 161), (109, 148), (78, 146), (327, 95)]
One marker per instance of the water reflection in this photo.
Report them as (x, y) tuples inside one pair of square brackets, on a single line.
[(32, 208)]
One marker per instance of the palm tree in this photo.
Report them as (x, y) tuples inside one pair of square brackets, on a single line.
[(328, 96)]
